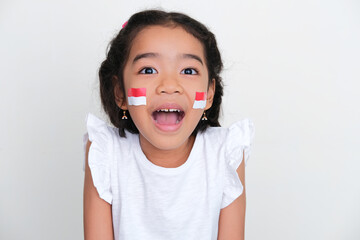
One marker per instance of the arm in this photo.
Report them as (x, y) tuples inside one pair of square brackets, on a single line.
[(232, 217), (97, 212)]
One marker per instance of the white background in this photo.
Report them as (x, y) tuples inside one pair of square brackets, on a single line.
[(290, 66)]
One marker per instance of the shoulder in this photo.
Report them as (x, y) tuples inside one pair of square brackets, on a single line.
[(243, 129), (239, 140), (237, 136), (214, 137), (106, 135), (99, 129), (107, 147)]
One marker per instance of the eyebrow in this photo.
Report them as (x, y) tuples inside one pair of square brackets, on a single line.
[(192, 56), (145, 55), (154, 55)]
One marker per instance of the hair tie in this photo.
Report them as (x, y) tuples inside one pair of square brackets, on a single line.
[(124, 25)]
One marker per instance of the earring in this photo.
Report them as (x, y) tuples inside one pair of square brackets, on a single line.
[(124, 116), (204, 118)]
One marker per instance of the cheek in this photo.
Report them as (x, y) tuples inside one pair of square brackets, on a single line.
[(194, 85), (200, 100), (139, 116), (136, 96)]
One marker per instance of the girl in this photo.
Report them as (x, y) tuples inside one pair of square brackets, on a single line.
[(166, 170)]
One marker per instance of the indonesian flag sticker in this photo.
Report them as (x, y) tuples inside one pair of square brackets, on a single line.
[(137, 96), (200, 100)]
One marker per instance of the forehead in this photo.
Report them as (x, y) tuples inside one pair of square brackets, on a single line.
[(167, 41)]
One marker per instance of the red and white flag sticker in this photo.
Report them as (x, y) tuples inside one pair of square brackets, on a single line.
[(137, 96), (200, 100)]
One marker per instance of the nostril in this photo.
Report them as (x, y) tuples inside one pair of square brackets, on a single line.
[(170, 91), (169, 87)]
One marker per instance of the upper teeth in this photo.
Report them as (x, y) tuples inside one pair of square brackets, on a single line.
[(168, 110)]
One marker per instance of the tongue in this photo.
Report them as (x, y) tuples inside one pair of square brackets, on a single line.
[(169, 118)]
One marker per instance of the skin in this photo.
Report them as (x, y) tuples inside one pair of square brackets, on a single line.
[(168, 53), (232, 218), (170, 64), (97, 212)]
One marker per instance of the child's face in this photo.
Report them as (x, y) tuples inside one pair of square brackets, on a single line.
[(170, 64)]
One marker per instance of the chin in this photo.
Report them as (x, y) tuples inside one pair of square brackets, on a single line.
[(167, 142)]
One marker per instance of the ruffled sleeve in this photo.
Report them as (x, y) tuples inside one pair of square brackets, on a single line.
[(99, 159), (238, 143)]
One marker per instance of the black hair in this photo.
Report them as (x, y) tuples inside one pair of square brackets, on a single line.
[(111, 69)]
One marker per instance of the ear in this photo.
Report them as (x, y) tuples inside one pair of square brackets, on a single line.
[(210, 95), (119, 94)]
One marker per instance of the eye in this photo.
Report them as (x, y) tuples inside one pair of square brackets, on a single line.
[(148, 70), (190, 71)]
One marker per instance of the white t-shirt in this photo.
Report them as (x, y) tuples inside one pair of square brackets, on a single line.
[(153, 202)]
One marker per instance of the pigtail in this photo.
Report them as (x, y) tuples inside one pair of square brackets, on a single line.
[(111, 71), (215, 67), (107, 72)]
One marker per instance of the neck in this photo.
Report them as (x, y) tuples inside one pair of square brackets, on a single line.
[(167, 158)]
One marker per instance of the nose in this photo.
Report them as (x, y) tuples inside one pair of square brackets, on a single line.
[(169, 84)]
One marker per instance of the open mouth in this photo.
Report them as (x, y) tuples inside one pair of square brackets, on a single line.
[(168, 116)]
